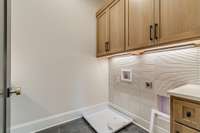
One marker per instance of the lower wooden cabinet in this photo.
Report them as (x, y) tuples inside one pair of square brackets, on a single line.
[(178, 128), (185, 115)]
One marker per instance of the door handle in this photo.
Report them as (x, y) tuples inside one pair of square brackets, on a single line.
[(15, 90)]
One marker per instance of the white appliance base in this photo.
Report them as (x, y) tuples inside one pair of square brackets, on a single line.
[(107, 120)]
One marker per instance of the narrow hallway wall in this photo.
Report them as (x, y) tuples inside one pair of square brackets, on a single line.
[(54, 58)]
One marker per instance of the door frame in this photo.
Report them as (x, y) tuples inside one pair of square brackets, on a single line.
[(6, 68)]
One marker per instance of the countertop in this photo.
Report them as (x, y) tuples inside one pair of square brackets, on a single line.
[(189, 91)]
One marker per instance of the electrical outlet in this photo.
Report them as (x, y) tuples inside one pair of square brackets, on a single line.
[(149, 85)]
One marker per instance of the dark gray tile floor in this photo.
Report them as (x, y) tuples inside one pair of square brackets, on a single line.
[(81, 126)]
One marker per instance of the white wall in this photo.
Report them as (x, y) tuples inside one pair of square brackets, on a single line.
[(53, 58)]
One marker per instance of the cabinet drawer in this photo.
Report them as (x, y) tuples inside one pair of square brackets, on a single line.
[(186, 113), (178, 128)]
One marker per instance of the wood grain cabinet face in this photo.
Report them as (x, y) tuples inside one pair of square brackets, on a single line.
[(117, 27), (187, 113), (178, 128), (111, 29), (102, 34), (124, 25), (140, 18), (178, 19)]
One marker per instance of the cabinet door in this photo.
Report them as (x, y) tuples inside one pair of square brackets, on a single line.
[(102, 33), (178, 128), (178, 19), (117, 27), (140, 23)]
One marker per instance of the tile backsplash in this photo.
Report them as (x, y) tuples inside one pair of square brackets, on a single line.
[(166, 70)]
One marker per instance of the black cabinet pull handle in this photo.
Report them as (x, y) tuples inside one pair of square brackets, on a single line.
[(150, 32), (155, 33), (107, 46), (188, 114), (177, 132)]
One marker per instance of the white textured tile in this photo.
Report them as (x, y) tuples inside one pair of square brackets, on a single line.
[(167, 70)]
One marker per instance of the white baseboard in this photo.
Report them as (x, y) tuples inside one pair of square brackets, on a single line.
[(139, 121), (44, 123)]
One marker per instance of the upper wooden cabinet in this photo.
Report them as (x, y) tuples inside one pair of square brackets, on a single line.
[(128, 25), (117, 27), (111, 29), (156, 22), (102, 33), (177, 19), (140, 22)]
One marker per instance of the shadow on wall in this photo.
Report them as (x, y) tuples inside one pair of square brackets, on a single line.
[(29, 106)]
